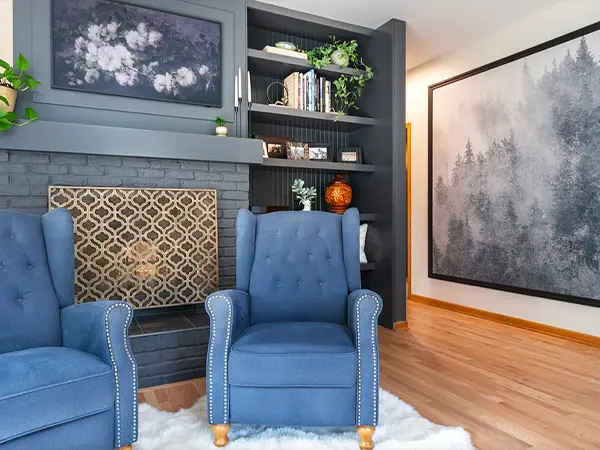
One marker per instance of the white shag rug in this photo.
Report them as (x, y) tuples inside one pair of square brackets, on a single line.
[(400, 428)]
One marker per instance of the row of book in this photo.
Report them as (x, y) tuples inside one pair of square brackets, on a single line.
[(308, 92)]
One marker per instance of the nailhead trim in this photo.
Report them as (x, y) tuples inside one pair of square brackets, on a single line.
[(374, 348), (213, 334), (114, 364)]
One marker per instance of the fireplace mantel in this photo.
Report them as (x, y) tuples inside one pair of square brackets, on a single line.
[(62, 137)]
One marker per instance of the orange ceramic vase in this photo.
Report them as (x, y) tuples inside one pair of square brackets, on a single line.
[(338, 195)]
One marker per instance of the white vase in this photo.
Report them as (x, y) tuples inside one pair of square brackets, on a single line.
[(221, 131), (306, 204)]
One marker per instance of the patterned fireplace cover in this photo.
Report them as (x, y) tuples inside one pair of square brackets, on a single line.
[(149, 247)]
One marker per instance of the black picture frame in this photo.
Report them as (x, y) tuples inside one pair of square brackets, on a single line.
[(522, 55), (114, 88), (349, 155), (275, 147), (316, 153)]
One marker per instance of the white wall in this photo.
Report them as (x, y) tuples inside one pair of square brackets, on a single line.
[(558, 20), (6, 30)]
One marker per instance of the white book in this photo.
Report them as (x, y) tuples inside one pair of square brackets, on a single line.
[(327, 96)]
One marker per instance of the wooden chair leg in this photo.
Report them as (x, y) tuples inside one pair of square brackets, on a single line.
[(127, 447), (221, 431), (366, 437)]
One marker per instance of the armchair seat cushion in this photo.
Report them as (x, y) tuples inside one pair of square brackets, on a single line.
[(294, 354), (47, 386)]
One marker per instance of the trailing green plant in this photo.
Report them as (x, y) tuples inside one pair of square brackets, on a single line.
[(221, 122), (20, 82), (348, 88)]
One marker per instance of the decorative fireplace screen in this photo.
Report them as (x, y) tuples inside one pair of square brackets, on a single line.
[(148, 247)]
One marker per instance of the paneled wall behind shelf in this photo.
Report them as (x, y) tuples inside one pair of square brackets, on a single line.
[(272, 185)]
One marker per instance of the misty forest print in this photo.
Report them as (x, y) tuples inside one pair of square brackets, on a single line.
[(515, 181), (110, 47)]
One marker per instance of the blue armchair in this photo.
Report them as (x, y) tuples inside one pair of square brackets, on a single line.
[(295, 344), (68, 379)]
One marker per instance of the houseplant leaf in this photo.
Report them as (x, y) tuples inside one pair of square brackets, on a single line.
[(31, 114), (22, 63)]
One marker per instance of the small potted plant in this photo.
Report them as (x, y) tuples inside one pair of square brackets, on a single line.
[(221, 129), (304, 194), (11, 82)]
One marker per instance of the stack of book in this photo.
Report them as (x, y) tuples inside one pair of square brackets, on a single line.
[(308, 92)]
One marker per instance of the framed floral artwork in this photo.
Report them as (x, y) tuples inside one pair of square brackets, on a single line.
[(109, 47)]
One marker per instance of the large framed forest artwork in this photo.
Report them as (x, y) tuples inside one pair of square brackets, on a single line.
[(514, 172)]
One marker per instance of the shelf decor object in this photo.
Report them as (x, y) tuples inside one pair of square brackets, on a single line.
[(108, 47), (304, 194), (297, 150), (12, 81), (338, 195)]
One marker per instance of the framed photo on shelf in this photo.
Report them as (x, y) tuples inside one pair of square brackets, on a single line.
[(274, 147), (297, 150), (319, 152), (349, 155)]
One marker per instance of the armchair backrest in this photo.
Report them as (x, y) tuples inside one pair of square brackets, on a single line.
[(298, 266), (36, 278)]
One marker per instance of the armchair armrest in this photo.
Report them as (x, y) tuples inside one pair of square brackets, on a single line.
[(229, 313), (364, 307), (101, 329)]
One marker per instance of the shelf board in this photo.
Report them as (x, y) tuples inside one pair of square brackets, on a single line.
[(270, 64), (367, 266), (268, 113), (369, 217), (320, 165)]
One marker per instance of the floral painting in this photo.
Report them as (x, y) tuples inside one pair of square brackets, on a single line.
[(108, 47), (515, 172)]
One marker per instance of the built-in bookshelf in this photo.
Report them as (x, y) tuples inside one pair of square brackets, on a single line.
[(377, 180)]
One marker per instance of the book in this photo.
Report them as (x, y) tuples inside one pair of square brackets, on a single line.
[(321, 94), (328, 96), (312, 89), (288, 83), (285, 52)]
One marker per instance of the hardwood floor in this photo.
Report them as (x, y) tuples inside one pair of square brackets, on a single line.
[(512, 389)]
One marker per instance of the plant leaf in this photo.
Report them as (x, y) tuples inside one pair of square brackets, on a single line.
[(4, 100), (2, 113), (22, 63), (4, 64), (12, 116), (31, 114), (5, 124)]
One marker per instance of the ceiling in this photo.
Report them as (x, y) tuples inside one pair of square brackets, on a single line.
[(435, 27)]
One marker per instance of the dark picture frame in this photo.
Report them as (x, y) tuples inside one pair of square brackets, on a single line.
[(275, 147), (437, 254), (297, 150), (116, 48), (319, 152), (349, 155)]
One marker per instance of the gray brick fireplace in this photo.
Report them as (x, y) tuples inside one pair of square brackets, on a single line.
[(169, 344)]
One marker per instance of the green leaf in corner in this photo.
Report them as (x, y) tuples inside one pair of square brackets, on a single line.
[(22, 63), (5, 124), (4, 64), (4, 100), (31, 114), (2, 113), (12, 116)]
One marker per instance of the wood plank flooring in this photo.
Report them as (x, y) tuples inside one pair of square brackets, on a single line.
[(512, 389)]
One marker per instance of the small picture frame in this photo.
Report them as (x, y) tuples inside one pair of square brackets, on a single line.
[(319, 152), (274, 147), (349, 155), (297, 150)]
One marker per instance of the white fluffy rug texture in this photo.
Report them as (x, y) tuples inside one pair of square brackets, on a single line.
[(400, 428)]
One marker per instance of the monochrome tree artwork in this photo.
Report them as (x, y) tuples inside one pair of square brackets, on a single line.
[(110, 47), (515, 174)]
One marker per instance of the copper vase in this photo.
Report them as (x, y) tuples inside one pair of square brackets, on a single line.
[(338, 195)]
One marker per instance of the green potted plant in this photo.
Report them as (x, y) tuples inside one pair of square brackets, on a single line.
[(12, 81), (221, 129), (304, 194), (348, 88)]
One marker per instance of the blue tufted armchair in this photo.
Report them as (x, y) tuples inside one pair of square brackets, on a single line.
[(296, 343), (67, 375)]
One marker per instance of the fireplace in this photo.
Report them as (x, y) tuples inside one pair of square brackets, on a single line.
[(169, 342), (149, 247)]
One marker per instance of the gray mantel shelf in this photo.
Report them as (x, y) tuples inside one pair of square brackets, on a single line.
[(62, 137)]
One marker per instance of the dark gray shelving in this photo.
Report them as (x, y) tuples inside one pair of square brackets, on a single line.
[(320, 165), (367, 266), (267, 113), (369, 217), (270, 64)]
